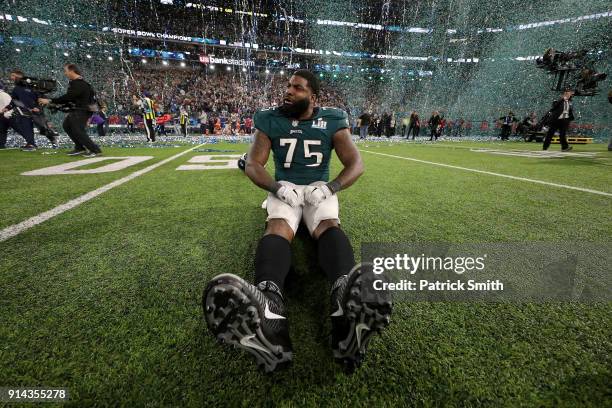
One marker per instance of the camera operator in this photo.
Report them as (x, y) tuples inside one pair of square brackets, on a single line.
[(28, 98), (19, 118), (82, 96), (561, 114)]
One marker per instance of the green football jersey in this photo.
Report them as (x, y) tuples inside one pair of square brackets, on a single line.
[(302, 148)]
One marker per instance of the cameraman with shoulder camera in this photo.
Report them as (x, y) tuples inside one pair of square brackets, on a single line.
[(561, 114), (81, 95), (28, 97), (17, 114)]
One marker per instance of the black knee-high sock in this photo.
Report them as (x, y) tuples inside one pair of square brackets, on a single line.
[(272, 260), (335, 253)]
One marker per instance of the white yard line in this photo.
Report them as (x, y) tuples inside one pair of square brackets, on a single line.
[(547, 183), (538, 154), (17, 229)]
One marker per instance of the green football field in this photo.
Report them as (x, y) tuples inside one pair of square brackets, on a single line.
[(103, 298)]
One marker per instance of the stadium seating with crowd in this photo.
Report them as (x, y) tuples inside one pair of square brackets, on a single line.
[(215, 99), (219, 95), (222, 101)]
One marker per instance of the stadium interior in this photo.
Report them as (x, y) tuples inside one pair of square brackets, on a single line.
[(460, 112)]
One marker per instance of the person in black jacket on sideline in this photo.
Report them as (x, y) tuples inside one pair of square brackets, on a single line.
[(561, 114), (434, 122), (82, 95), (506, 125)]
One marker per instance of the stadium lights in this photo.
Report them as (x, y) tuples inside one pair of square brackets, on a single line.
[(88, 56), (165, 62), (321, 75), (228, 68), (183, 64), (110, 58), (144, 61), (282, 72), (66, 54), (267, 71), (17, 49), (243, 69), (212, 67)]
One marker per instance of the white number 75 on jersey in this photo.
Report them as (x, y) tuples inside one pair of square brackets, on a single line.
[(307, 153)]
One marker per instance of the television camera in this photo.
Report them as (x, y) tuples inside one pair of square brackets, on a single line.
[(575, 70), (44, 87)]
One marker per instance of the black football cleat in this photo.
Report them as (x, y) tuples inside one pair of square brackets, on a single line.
[(358, 312), (28, 148), (250, 317), (53, 140)]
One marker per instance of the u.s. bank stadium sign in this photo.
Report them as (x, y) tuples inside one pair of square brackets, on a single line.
[(205, 59)]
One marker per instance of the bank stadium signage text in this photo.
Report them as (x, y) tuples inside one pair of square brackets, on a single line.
[(205, 59)]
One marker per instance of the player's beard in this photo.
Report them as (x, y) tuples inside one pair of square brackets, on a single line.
[(295, 109)]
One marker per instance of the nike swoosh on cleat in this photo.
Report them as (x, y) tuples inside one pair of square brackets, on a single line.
[(246, 341), (268, 314), (338, 312), (358, 329)]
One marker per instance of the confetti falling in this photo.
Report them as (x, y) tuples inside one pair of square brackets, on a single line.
[(467, 59)]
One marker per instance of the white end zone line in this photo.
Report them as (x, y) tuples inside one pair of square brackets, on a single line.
[(547, 183), (17, 229)]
